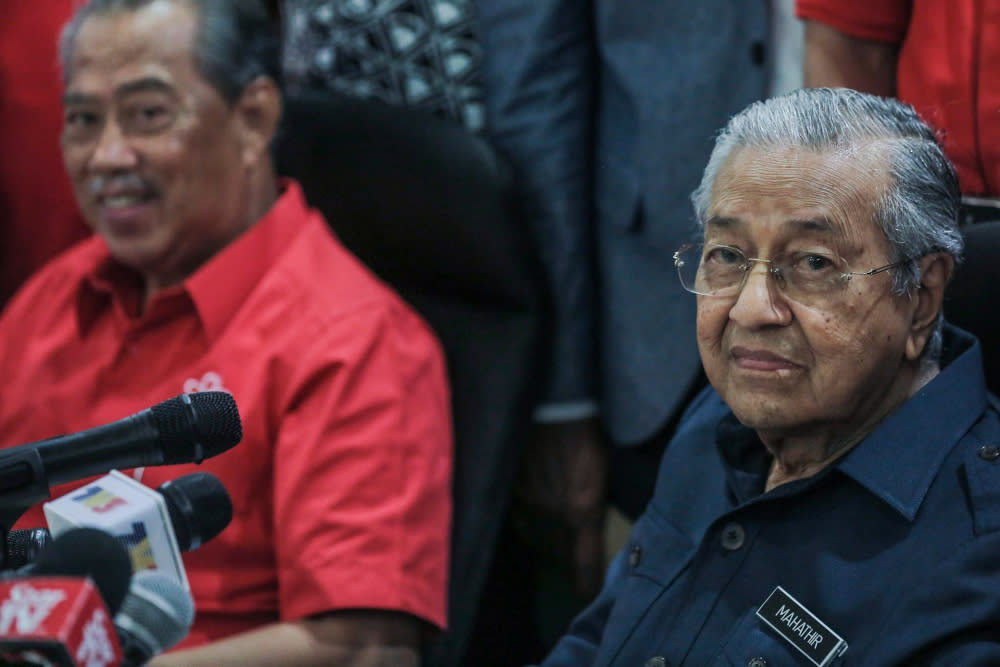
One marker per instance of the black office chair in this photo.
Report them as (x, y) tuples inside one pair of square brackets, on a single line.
[(433, 211), (965, 303)]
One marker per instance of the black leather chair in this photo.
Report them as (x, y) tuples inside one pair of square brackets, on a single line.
[(433, 211), (966, 302)]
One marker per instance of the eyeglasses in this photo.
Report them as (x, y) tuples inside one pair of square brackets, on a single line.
[(722, 270)]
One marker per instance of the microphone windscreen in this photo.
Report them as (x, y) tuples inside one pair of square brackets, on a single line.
[(199, 507), (88, 552), (156, 614), (197, 426)]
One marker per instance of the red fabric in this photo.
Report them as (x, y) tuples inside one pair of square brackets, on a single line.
[(949, 63), (341, 485), (38, 214)]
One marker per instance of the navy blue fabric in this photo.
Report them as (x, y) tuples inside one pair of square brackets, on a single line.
[(895, 546), (607, 110)]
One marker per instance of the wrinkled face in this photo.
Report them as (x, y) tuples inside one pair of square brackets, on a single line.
[(152, 149), (787, 366)]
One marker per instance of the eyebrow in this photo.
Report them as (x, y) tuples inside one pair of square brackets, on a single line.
[(139, 86), (821, 224), (148, 84)]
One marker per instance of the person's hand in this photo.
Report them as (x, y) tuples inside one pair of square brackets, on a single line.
[(564, 476)]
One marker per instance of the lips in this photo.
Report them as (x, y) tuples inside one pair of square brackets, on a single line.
[(761, 360), (121, 200), (124, 213)]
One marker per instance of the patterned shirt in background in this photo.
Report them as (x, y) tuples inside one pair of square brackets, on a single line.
[(417, 53)]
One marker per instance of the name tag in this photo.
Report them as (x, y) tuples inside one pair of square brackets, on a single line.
[(800, 628)]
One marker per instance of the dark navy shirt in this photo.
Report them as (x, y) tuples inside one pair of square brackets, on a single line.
[(895, 547)]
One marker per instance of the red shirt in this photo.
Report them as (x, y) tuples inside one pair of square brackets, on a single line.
[(341, 485), (949, 65), (38, 214)]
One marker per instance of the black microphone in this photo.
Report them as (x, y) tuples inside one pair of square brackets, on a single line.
[(198, 504), (23, 546), (156, 614), (199, 508), (185, 429)]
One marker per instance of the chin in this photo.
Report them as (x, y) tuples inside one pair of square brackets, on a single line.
[(760, 411)]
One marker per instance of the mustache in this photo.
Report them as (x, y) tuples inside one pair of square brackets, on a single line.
[(101, 182)]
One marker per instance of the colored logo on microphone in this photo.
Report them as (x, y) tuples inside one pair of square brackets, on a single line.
[(140, 550), (99, 500)]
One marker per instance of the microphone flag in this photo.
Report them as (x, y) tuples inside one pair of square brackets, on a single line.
[(132, 513), (56, 620)]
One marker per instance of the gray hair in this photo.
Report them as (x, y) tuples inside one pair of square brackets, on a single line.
[(918, 212), (237, 40)]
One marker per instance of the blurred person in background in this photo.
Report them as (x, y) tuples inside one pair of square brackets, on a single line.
[(942, 58), (38, 215)]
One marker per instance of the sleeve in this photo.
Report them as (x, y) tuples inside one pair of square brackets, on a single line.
[(539, 86), (951, 619), (362, 472), (876, 20)]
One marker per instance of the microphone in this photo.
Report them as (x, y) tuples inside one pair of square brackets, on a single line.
[(156, 615), (198, 505), (61, 613), (22, 546), (184, 429), (153, 526)]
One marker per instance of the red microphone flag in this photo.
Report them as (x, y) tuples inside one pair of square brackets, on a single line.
[(57, 621)]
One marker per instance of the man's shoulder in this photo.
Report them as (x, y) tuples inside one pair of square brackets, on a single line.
[(321, 286)]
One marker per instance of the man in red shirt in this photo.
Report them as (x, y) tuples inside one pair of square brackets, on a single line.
[(208, 273), (941, 58)]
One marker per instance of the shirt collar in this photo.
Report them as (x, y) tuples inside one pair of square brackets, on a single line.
[(218, 287), (900, 458)]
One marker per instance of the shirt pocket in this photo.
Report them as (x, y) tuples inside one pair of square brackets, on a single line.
[(656, 553), (753, 643)]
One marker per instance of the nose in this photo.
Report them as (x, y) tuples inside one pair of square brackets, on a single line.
[(760, 303), (113, 152)]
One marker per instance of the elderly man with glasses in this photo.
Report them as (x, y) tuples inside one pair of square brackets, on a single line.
[(834, 497)]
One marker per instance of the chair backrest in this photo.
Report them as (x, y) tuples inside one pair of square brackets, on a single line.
[(969, 303), (432, 210)]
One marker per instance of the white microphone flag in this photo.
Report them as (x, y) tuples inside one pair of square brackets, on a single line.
[(134, 514)]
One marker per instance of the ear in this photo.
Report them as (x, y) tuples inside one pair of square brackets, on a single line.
[(935, 272), (258, 111)]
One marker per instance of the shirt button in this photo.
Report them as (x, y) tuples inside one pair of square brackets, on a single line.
[(989, 453), (635, 556), (757, 662), (658, 661), (733, 536)]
